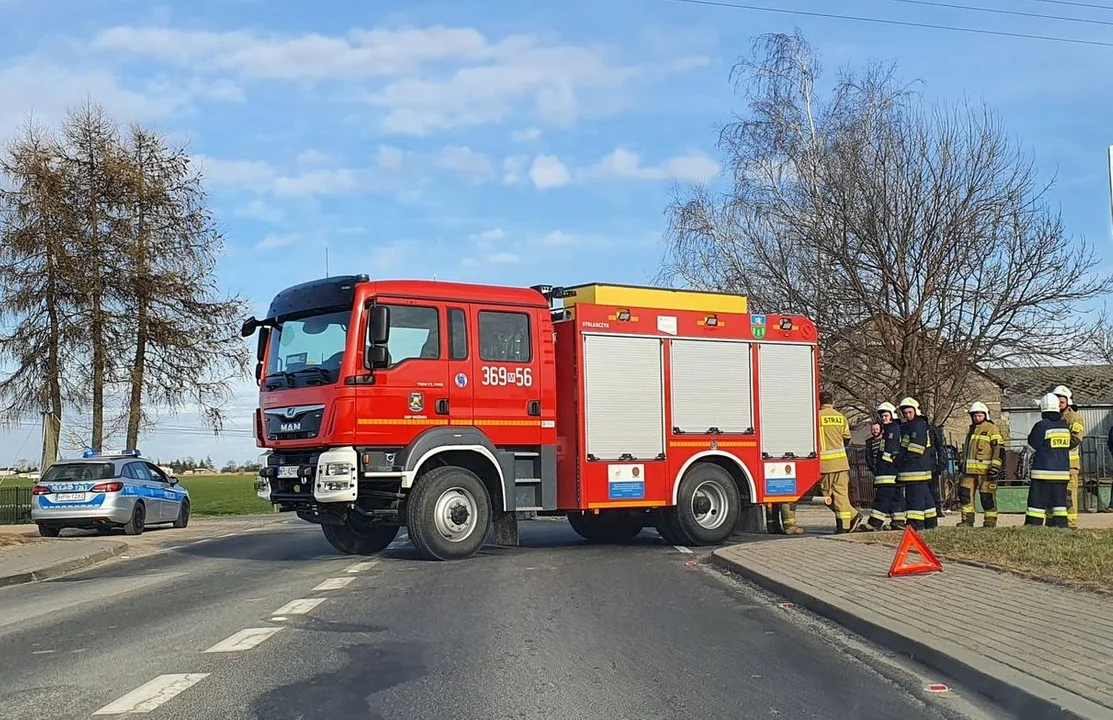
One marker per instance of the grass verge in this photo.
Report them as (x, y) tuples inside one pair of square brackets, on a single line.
[(225, 495), (13, 540), (1078, 558), (210, 494)]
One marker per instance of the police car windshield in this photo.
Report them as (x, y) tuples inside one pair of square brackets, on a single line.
[(307, 351), (78, 472)]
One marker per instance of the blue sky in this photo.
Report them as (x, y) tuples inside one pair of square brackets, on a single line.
[(497, 141)]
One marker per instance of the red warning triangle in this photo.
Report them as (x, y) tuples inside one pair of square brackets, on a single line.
[(912, 541)]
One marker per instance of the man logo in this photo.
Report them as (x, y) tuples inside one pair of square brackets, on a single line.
[(290, 427), (291, 412)]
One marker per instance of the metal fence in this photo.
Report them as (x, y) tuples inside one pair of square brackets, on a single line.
[(1097, 473), (15, 505)]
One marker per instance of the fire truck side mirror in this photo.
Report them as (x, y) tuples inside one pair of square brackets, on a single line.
[(378, 325), (375, 353)]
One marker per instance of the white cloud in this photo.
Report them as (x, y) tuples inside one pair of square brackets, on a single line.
[(315, 157), (556, 237), (337, 181), (271, 242), (503, 258), (259, 210), (526, 135), (548, 171), (390, 158), (252, 174), (492, 235), (512, 168), (625, 164), (469, 164)]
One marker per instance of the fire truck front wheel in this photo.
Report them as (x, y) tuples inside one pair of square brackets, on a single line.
[(358, 537), (448, 513), (707, 505)]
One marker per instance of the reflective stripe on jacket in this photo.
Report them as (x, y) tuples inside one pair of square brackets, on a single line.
[(984, 446), (1051, 439), (1074, 423), (834, 432), (917, 456)]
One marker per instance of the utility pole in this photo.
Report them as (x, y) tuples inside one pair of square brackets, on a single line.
[(326, 260)]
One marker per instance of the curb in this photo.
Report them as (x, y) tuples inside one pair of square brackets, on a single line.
[(64, 567), (1014, 691)]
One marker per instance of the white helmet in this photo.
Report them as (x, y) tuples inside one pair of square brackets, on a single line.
[(978, 407), (1063, 391), (910, 403), (886, 407), (1049, 403)]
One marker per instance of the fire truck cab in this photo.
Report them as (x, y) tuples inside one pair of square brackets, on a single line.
[(453, 408)]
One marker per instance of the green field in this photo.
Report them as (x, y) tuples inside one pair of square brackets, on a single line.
[(210, 494)]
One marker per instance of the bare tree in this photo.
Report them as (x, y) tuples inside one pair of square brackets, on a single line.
[(183, 331), (916, 235), (39, 283), (93, 163)]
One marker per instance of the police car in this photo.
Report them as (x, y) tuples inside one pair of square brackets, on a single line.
[(103, 492)]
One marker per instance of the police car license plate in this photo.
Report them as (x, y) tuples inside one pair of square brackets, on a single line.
[(70, 497), (288, 471)]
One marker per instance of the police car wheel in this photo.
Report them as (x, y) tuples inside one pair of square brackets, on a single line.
[(448, 513), (49, 530), (606, 527), (707, 504), (359, 538), (183, 515), (138, 520)]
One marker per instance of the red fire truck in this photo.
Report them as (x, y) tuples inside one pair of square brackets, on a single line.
[(452, 409)]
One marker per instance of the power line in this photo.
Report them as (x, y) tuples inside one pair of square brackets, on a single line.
[(900, 23), (1072, 3), (995, 11)]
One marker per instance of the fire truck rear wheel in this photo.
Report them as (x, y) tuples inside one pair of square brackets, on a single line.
[(448, 513), (358, 537), (707, 504), (606, 527)]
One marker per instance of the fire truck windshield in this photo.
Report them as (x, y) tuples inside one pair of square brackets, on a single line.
[(307, 351)]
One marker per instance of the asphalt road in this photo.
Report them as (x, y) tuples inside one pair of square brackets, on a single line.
[(271, 624)]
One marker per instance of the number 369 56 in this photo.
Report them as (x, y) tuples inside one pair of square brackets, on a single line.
[(521, 377)]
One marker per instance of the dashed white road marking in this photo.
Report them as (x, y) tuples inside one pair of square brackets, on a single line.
[(172, 547), (333, 584), (298, 607), (360, 567), (278, 618), (41, 652), (243, 640), (146, 698), (681, 548), (227, 534), (198, 542)]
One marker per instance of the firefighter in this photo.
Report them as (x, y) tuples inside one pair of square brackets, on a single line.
[(1069, 413), (887, 504), (834, 467), (982, 453), (1047, 488), (914, 466), (780, 519)]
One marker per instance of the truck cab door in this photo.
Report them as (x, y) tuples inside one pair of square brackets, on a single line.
[(507, 361), (413, 388), (461, 352)]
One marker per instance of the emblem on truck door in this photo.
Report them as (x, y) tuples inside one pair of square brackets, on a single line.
[(417, 402)]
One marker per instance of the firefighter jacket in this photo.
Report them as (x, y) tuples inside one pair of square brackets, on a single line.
[(1051, 440), (874, 446), (886, 471), (1074, 421), (984, 448), (834, 436), (917, 457)]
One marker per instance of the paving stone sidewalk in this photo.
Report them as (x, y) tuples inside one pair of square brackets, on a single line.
[(1036, 649)]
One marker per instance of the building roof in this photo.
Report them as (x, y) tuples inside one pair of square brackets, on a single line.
[(1091, 385)]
